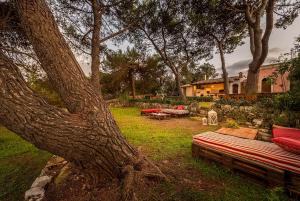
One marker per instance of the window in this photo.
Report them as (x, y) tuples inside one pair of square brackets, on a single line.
[(199, 86), (265, 86)]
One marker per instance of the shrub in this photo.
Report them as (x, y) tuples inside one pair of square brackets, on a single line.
[(201, 98), (230, 123), (233, 102), (172, 100)]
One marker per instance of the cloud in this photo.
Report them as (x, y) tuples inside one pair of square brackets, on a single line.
[(240, 66), (275, 50)]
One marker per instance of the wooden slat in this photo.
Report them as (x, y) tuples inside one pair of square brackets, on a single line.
[(273, 176)]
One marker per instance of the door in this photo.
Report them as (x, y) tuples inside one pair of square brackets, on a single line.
[(235, 88)]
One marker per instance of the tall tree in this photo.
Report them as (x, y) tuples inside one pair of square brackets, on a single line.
[(86, 134), (254, 11), (161, 26), (124, 67), (200, 72), (134, 70), (88, 25), (226, 28)]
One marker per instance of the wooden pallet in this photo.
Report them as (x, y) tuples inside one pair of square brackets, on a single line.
[(272, 176)]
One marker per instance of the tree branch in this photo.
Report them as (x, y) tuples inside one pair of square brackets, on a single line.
[(114, 34)]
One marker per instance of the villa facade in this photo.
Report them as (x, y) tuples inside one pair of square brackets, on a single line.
[(215, 87)]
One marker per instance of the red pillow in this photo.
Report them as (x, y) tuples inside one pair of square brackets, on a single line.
[(288, 144), (180, 107), (280, 131)]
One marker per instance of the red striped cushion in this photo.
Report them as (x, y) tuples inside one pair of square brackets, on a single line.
[(154, 110), (259, 151), (288, 144)]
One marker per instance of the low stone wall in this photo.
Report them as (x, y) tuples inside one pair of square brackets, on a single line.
[(250, 116)]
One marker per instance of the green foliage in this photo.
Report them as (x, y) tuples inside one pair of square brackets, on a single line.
[(161, 101), (285, 102), (194, 72), (43, 87), (173, 100), (233, 102), (20, 163), (276, 194), (201, 98), (132, 69), (231, 123)]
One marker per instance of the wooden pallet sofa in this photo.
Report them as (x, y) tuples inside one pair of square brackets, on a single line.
[(176, 112), (264, 160)]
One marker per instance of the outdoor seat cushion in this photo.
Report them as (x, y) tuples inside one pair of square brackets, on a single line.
[(180, 107), (175, 112), (153, 110), (288, 144), (266, 153), (280, 131)]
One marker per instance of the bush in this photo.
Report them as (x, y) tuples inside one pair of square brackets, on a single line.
[(230, 123), (284, 102), (233, 102), (172, 100), (201, 98)]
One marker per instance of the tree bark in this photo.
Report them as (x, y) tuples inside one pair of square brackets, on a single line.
[(95, 77), (251, 87), (178, 86), (258, 40), (132, 83), (224, 71), (87, 135), (82, 139)]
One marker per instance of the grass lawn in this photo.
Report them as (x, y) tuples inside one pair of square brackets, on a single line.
[(20, 163), (162, 141)]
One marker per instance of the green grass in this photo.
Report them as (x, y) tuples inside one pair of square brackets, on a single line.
[(158, 142), (20, 163), (161, 143)]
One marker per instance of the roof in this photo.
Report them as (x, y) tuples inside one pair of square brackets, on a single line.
[(186, 85), (275, 65), (219, 80)]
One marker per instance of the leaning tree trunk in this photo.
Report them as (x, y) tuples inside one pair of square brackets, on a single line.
[(224, 71), (95, 76), (87, 134)]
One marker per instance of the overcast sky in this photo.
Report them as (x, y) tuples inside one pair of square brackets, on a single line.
[(281, 41)]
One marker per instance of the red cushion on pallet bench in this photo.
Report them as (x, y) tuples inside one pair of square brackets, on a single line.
[(280, 131), (288, 144), (180, 107), (153, 110)]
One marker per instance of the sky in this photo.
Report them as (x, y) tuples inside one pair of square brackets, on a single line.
[(281, 41)]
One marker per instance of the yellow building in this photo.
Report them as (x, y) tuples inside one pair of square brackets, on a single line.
[(213, 87)]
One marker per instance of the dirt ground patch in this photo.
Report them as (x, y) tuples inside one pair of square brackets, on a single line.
[(187, 123), (182, 180)]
